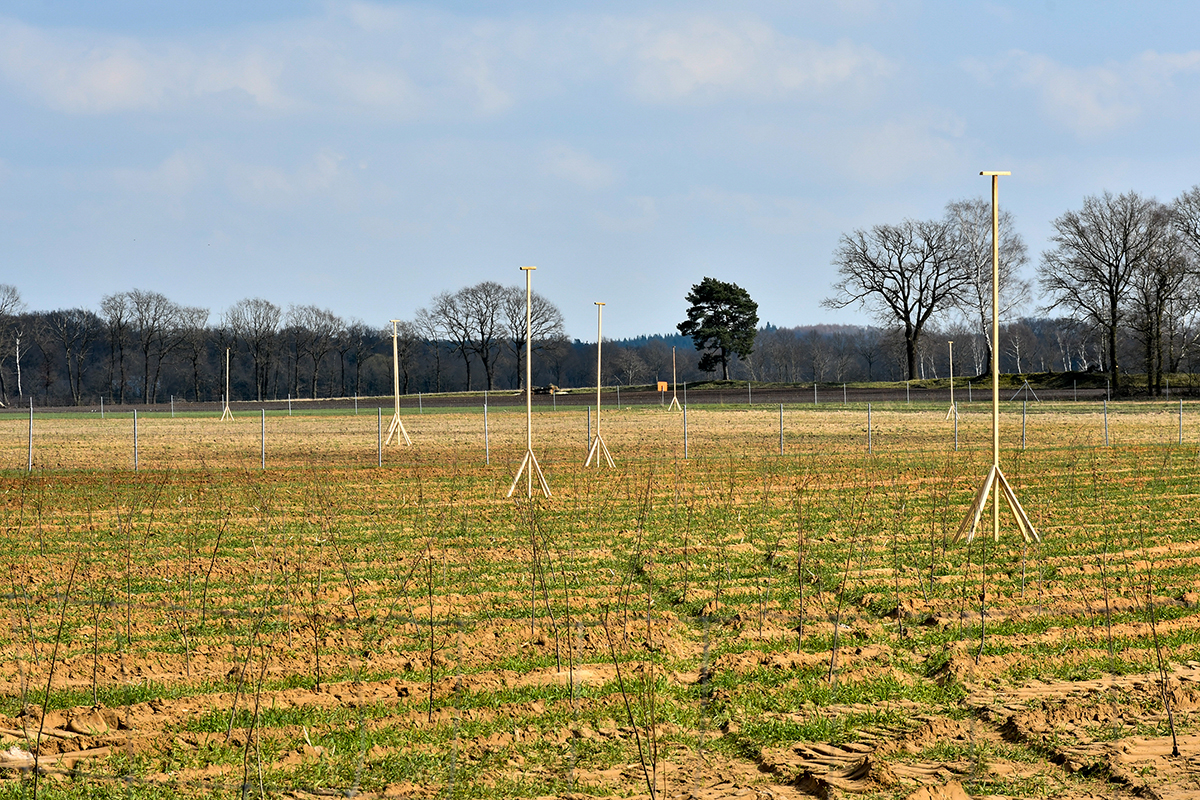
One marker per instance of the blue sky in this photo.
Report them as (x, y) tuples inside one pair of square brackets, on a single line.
[(365, 156)]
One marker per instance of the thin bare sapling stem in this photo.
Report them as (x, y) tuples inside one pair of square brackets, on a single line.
[(687, 555), (962, 607), (650, 782), (432, 650), (837, 621), (538, 573), (250, 645), (982, 595), (1164, 688), (649, 695), (212, 562), (62, 621), (329, 514), (798, 502)]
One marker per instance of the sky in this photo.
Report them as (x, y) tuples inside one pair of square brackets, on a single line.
[(365, 156)]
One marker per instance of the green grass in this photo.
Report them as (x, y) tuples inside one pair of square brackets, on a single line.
[(620, 544)]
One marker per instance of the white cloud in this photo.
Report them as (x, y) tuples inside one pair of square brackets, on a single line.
[(578, 167), (1093, 100), (930, 146), (273, 186), (417, 63), (776, 214), (379, 87), (372, 16), (706, 58), (90, 73), (177, 174), (640, 214)]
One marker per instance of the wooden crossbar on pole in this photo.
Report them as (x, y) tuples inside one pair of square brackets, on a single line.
[(995, 482)]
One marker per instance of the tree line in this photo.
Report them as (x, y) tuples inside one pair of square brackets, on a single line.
[(1122, 267), (141, 347), (1123, 271)]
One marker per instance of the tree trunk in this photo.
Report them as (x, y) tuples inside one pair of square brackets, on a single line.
[(910, 352), (1114, 373)]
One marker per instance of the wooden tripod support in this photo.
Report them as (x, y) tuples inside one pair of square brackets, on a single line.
[(952, 413), (225, 412), (530, 461), (598, 445), (674, 405), (396, 424), (995, 482)]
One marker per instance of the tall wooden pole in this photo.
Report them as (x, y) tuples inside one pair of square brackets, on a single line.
[(598, 445), (225, 412), (396, 425), (995, 483), (953, 411), (599, 344), (530, 461), (674, 385), (996, 350)]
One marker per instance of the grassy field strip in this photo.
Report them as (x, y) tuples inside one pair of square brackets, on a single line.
[(798, 624), (67, 442)]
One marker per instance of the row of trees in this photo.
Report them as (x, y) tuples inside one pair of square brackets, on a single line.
[(75, 356), (1125, 265), (918, 272), (140, 347)]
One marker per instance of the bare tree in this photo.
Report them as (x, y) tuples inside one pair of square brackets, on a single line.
[(840, 352), (408, 344), (452, 320), (818, 355), (194, 334), (255, 322), (1021, 343), (626, 365), (356, 342), (315, 330), (10, 306), (117, 312), (483, 306), (972, 220), (1183, 310), (905, 273), (868, 343), (1158, 280), (155, 324), (431, 329), (1097, 251), (545, 320), (772, 344), (75, 330)]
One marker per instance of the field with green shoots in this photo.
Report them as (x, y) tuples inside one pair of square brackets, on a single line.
[(733, 623)]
